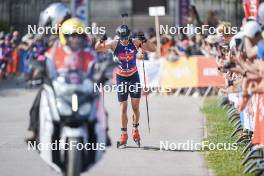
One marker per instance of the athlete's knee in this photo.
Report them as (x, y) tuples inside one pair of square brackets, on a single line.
[(135, 107)]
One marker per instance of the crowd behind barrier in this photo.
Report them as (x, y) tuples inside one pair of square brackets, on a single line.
[(238, 59), (240, 62), (17, 54), (18, 51)]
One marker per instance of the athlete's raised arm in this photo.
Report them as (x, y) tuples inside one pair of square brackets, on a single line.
[(103, 45), (142, 42)]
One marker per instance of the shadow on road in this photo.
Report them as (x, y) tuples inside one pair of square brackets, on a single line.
[(10, 87), (153, 148)]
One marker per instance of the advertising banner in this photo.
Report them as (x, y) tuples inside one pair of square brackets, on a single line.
[(196, 71)]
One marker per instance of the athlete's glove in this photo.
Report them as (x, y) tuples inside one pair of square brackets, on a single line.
[(103, 38), (116, 60), (142, 37)]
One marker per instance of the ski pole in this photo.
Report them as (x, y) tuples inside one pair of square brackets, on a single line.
[(145, 87)]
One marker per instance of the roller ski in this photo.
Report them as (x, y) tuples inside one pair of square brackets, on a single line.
[(123, 141)]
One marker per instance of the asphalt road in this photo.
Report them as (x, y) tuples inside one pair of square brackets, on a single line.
[(172, 119)]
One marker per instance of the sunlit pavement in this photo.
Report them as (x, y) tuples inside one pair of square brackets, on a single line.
[(172, 119)]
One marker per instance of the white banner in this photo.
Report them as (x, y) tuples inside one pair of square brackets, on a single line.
[(153, 70)]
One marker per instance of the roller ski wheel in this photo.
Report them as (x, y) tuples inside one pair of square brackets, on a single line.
[(138, 143), (136, 137), (122, 142), (120, 145)]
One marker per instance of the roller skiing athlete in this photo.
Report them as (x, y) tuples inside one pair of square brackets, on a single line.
[(125, 51)]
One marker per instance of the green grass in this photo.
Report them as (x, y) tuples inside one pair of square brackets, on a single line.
[(222, 162)]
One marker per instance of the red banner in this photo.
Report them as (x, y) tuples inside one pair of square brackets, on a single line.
[(258, 136), (207, 73), (251, 8)]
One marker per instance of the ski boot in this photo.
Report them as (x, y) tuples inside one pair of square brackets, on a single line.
[(136, 137), (123, 140)]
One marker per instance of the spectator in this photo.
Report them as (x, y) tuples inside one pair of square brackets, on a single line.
[(24, 56), (193, 17), (166, 44), (7, 51), (212, 20)]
